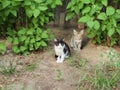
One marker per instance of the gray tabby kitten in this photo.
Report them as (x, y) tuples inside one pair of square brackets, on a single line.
[(76, 40)]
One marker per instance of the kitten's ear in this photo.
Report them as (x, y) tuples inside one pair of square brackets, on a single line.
[(74, 31), (55, 40)]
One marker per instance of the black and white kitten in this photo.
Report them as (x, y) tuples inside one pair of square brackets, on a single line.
[(62, 50)]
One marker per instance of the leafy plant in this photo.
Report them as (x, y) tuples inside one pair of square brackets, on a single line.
[(2, 48), (26, 40), (25, 21), (100, 18), (31, 67), (8, 70), (59, 75)]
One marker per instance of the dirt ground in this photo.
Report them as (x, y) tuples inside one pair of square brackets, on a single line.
[(49, 75)]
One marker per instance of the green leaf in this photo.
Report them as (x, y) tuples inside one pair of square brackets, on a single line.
[(58, 2), (14, 12), (23, 48), (90, 24), (114, 22), (69, 16), (9, 39), (44, 35), (22, 31), (92, 1), (86, 1), (36, 13), (118, 30), (102, 16), (96, 25), (84, 19), (32, 40), (31, 47), (42, 8), (111, 31), (5, 3), (22, 38), (92, 34), (15, 41), (15, 49), (118, 11), (104, 2), (29, 12), (27, 2), (43, 43), (37, 38), (86, 10), (69, 5), (2, 48), (30, 31), (110, 10), (80, 5), (38, 1)]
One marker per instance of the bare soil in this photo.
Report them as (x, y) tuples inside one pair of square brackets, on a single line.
[(49, 75)]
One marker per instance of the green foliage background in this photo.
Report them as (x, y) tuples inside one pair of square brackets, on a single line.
[(101, 17), (24, 22)]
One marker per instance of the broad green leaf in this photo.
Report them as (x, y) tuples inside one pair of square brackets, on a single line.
[(22, 38), (42, 8), (111, 31), (5, 3), (9, 39), (58, 2), (14, 12), (37, 38), (27, 2), (86, 10), (43, 43), (15, 49), (77, 10), (104, 2), (118, 11), (110, 10), (102, 16), (15, 41), (80, 5), (2, 48), (22, 31), (36, 13), (114, 22), (92, 1), (92, 34), (96, 25), (32, 40), (38, 31), (29, 12), (90, 24), (30, 31), (37, 45), (44, 35), (86, 1), (84, 19), (23, 48), (31, 47), (69, 16), (38, 1), (118, 30), (69, 5)]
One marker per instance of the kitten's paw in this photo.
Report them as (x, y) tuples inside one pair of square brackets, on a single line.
[(58, 61)]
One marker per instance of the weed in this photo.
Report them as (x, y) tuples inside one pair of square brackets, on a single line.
[(105, 77), (31, 67), (59, 75), (8, 70), (77, 63)]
